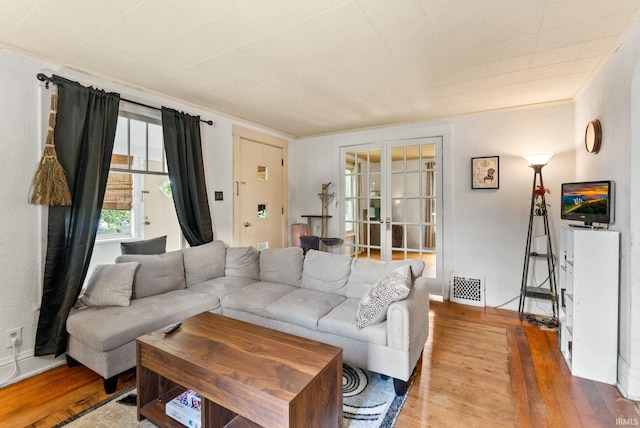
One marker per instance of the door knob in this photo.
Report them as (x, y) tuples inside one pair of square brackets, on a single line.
[(247, 224)]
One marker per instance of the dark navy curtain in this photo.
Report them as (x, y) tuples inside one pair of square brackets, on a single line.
[(182, 145), (84, 136)]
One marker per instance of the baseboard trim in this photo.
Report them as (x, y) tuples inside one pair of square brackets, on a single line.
[(28, 365), (628, 380)]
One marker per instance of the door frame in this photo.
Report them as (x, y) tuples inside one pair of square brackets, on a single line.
[(239, 133), (438, 286), (438, 158)]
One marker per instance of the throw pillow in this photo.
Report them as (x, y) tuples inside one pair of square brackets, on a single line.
[(148, 246), (110, 285), (392, 287)]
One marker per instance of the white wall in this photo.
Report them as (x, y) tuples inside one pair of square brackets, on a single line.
[(490, 226), (485, 230), (22, 241), (613, 97)]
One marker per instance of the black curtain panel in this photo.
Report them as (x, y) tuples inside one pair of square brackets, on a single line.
[(186, 171), (84, 136)]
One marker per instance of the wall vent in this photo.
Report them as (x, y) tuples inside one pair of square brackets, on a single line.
[(467, 289)]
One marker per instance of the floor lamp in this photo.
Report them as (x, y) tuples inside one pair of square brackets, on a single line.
[(538, 210)]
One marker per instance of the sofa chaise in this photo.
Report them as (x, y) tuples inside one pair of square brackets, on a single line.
[(355, 304)]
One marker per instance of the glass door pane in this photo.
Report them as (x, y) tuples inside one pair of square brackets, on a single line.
[(362, 200)]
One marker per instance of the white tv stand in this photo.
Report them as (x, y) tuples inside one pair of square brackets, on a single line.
[(588, 322)]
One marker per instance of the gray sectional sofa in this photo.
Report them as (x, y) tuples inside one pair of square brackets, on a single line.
[(316, 296)]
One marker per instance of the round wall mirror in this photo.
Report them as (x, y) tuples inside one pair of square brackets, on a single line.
[(593, 136)]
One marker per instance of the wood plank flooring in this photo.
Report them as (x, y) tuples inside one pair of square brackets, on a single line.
[(482, 367)]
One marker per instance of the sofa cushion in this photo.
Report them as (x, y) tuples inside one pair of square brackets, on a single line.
[(104, 329), (392, 287), (255, 298), (341, 321), (281, 265), (242, 262), (204, 262), (156, 273), (365, 273), (222, 286), (326, 272), (147, 246), (303, 307), (109, 285)]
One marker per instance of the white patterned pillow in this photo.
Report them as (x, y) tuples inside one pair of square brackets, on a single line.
[(392, 287), (110, 285)]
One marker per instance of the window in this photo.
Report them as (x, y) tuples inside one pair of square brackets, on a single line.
[(138, 179)]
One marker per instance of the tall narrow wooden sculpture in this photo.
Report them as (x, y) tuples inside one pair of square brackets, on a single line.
[(325, 197)]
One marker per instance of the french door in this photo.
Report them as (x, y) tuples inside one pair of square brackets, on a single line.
[(390, 197)]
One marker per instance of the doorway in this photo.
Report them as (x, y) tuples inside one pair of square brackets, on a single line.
[(391, 202), (160, 216), (260, 189)]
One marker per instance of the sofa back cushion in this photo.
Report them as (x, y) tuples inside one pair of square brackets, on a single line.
[(157, 273), (326, 272), (281, 265), (365, 273), (242, 262), (204, 262)]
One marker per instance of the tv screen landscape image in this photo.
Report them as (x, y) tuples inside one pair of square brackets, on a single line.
[(589, 202)]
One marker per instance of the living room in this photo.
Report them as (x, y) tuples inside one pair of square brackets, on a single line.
[(484, 230)]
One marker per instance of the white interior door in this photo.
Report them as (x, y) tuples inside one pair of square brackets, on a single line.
[(160, 216), (259, 197)]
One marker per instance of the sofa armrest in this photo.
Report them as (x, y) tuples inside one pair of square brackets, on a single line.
[(408, 319)]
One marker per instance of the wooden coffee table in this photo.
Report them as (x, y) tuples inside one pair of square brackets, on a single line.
[(247, 375)]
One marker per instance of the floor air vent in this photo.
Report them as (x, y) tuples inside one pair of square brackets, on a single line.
[(468, 290)]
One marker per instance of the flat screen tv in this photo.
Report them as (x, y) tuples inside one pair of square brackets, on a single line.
[(588, 201)]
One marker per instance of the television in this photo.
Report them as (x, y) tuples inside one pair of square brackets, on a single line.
[(588, 201)]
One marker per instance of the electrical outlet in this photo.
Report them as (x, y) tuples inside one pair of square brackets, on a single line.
[(14, 332)]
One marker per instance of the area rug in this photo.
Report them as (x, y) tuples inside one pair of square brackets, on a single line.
[(369, 401)]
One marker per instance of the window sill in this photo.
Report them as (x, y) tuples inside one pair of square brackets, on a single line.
[(115, 240)]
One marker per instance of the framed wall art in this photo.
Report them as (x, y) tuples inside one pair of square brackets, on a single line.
[(485, 172)]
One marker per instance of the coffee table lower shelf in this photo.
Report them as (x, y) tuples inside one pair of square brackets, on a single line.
[(155, 412)]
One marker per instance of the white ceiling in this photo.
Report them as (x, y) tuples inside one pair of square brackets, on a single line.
[(308, 67)]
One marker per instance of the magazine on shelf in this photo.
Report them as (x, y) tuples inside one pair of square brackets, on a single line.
[(186, 408)]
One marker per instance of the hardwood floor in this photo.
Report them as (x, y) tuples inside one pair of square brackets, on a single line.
[(542, 391), (481, 367)]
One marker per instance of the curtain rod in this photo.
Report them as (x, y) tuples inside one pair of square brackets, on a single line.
[(44, 78)]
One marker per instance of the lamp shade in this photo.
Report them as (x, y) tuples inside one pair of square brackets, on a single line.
[(538, 158)]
